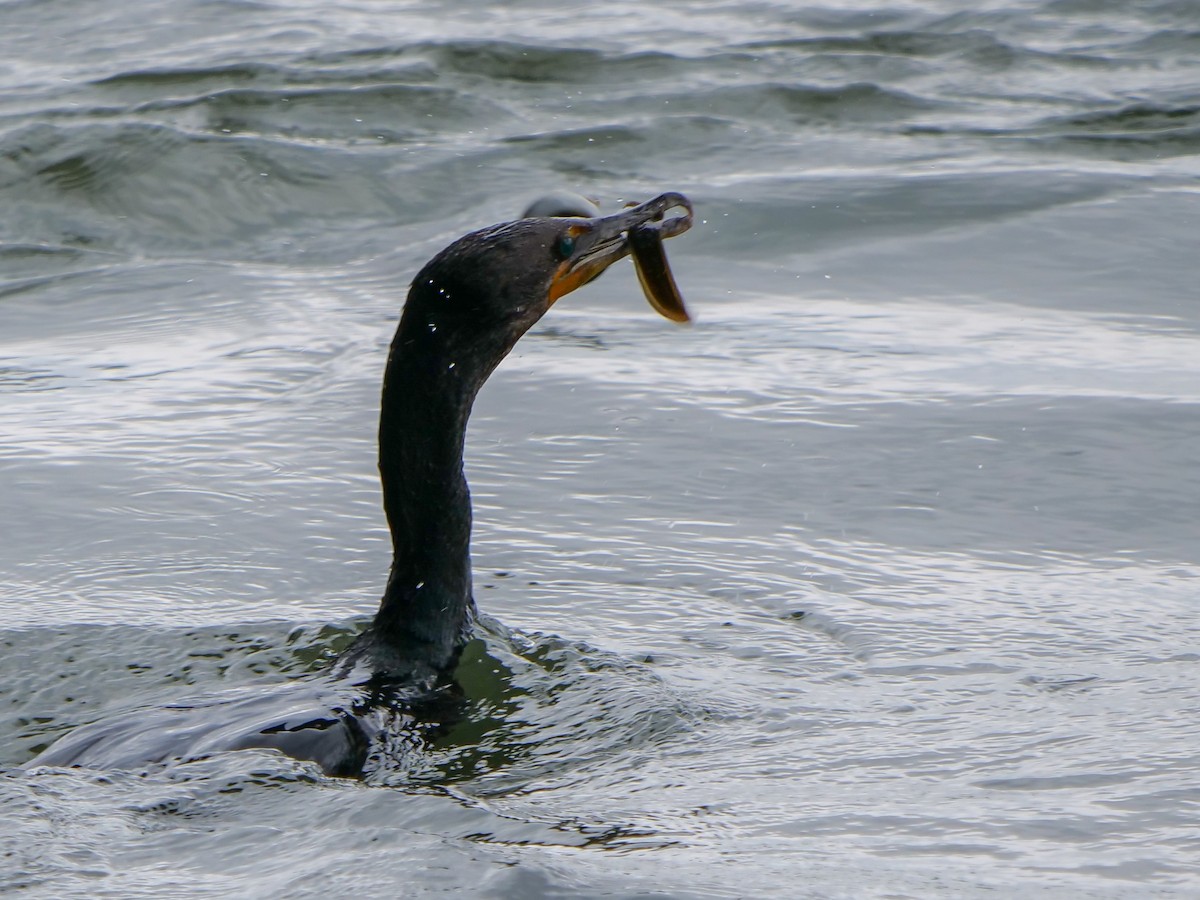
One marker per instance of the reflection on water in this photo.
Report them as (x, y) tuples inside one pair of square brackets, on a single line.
[(879, 579)]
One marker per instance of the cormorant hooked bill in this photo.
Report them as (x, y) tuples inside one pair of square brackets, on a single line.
[(465, 310)]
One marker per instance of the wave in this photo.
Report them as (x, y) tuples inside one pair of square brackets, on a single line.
[(1126, 132)]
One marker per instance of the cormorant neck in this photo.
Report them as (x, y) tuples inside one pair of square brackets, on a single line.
[(427, 608)]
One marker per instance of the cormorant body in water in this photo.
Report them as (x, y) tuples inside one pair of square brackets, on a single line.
[(465, 310)]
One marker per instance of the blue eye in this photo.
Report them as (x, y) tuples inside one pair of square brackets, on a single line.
[(565, 246)]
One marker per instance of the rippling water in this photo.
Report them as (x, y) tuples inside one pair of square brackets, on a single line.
[(881, 580)]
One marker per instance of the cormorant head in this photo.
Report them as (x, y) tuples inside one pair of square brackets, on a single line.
[(471, 303)]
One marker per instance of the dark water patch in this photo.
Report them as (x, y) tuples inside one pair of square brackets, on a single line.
[(151, 188), (503, 61), (946, 64), (951, 42), (1137, 118), (52, 677), (93, 167), (492, 60), (1129, 133), (842, 19), (784, 105), (922, 44), (382, 113), (750, 442), (1135, 131), (162, 190), (601, 138), (634, 156), (1128, 147), (390, 104), (647, 138), (40, 255), (540, 708), (303, 72), (476, 61), (1181, 43), (962, 20), (1164, 12), (524, 707), (158, 81), (523, 69)]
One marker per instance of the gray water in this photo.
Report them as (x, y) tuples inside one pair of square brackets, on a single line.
[(878, 581)]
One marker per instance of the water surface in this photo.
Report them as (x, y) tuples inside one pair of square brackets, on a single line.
[(880, 580)]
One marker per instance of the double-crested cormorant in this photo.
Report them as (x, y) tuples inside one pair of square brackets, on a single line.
[(649, 259), (465, 310)]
